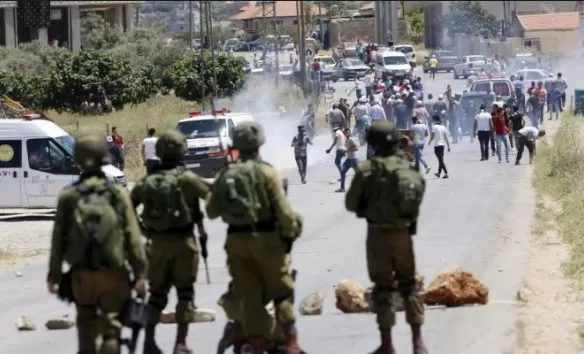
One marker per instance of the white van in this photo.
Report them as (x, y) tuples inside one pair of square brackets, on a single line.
[(36, 162), (208, 139), (392, 64)]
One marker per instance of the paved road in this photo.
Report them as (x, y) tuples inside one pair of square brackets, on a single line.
[(465, 220)]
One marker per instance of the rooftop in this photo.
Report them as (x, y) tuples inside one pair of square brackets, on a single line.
[(557, 21), (283, 9)]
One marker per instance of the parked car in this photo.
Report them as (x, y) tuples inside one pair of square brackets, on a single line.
[(501, 87), (326, 61), (348, 50), (392, 64), (329, 74), (351, 68), (446, 60), (408, 51), (469, 65), (286, 70)]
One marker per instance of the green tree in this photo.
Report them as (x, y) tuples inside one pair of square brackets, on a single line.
[(415, 18), (27, 87), (187, 80), (93, 75), (470, 17), (98, 34)]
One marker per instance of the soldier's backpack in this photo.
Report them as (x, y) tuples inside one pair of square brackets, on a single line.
[(165, 206), (95, 239), (240, 190), (397, 191)]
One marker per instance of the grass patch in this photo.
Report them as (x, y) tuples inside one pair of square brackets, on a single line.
[(9, 257), (558, 172)]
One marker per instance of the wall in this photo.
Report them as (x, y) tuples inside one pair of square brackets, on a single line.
[(557, 42), (351, 30), (468, 45)]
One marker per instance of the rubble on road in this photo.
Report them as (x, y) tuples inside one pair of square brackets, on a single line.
[(24, 323), (456, 287), (201, 315), (59, 323), (350, 297), (312, 304)]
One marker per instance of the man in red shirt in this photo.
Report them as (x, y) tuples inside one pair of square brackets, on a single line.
[(118, 140), (501, 132)]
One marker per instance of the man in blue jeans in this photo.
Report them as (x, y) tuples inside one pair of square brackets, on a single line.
[(338, 141), (420, 131), (351, 160)]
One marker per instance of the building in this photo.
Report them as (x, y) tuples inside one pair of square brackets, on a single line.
[(550, 33), (179, 21), (252, 15), (64, 25)]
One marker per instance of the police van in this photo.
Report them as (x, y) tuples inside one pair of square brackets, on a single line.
[(36, 162), (209, 140)]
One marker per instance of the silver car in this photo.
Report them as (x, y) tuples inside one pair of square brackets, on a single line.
[(469, 65), (351, 68)]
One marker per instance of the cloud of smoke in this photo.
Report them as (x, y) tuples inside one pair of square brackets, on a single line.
[(279, 110)]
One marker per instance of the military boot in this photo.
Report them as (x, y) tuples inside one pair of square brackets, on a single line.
[(232, 336), (180, 346), (386, 346), (291, 340), (150, 346), (255, 345), (418, 342)]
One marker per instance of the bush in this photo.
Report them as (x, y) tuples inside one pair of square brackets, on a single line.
[(188, 80)]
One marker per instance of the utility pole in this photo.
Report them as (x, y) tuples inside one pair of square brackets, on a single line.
[(191, 25), (211, 39), (320, 24), (277, 46), (302, 45), (202, 37)]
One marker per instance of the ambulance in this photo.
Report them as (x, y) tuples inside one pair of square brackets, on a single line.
[(36, 162), (209, 139)]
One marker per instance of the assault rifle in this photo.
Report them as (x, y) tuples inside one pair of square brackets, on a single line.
[(134, 317), (203, 242)]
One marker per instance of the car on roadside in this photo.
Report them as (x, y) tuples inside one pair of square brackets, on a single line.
[(390, 64), (329, 74), (348, 50), (500, 87), (326, 61), (407, 49), (469, 65), (351, 68), (446, 60), (532, 74)]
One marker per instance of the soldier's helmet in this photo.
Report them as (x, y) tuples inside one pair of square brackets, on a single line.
[(91, 152), (383, 134), (248, 136), (171, 146)]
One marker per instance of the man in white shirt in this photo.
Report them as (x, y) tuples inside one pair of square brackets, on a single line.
[(149, 151), (440, 138), (483, 127), (420, 130), (351, 161), (339, 141), (527, 137), (377, 112), (368, 80)]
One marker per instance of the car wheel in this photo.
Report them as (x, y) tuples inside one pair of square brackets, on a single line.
[(346, 78)]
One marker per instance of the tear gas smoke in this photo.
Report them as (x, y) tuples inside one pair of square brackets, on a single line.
[(279, 110)]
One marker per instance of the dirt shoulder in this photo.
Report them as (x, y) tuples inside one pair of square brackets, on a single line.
[(551, 311)]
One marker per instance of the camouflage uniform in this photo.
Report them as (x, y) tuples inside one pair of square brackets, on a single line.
[(100, 293), (390, 253), (258, 254), (173, 255)]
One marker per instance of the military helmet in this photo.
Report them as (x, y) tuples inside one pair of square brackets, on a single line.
[(383, 133), (248, 136), (91, 152), (171, 145)]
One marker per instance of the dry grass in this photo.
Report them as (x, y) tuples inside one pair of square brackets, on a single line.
[(10, 257), (558, 172), (421, 52), (160, 113)]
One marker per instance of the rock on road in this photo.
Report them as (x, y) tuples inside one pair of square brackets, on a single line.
[(479, 219)]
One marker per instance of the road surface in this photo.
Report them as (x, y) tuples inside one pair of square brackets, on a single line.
[(476, 219)]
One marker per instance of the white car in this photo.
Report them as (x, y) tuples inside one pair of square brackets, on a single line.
[(407, 49), (532, 74), (469, 65), (392, 64)]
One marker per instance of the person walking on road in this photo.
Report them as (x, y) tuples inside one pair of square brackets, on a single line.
[(440, 139), (433, 63), (339, 143), (351, 161), (483, 128), (300, 143), (420, 133), (377, 194), (149, 151), (527, 137), (501, 134)]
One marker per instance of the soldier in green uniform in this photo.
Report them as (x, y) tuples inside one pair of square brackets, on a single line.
[(248, 196), (96, 231), (170, 198), (233, 334), (387, 192)]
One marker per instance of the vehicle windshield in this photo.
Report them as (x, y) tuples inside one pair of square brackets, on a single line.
[(444, 54), (352, 62), (405, 49), (66, 142), (326, 60), (203, 128), (477, 58), (397, 60)]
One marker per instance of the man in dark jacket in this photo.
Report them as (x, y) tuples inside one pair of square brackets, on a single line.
[(116, 153)]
